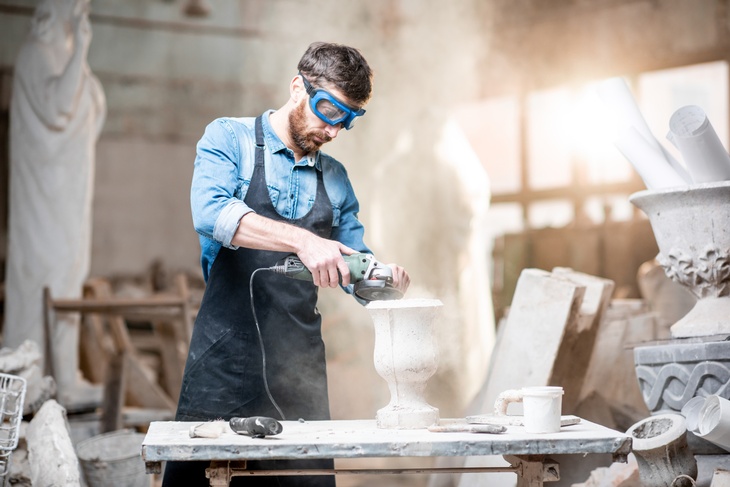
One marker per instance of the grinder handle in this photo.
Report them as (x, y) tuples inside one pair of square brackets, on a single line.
[(292, 266)]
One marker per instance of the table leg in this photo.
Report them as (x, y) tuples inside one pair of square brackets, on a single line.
[(219, 473), (534, 470)]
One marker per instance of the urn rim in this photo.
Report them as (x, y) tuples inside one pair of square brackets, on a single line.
[(678, 189)]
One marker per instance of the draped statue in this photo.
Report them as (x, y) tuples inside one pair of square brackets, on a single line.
[(57, 110)]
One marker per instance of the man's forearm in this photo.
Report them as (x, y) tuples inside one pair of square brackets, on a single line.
[(323, 257), (258, 232)]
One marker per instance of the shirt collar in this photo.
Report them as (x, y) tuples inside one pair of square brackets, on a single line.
[(275, 145)]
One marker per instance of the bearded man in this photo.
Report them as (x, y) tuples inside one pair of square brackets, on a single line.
[(262, 190)]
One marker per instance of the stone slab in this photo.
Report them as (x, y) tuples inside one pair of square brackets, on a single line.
[(543, 308), (578, 344), (170, 440)]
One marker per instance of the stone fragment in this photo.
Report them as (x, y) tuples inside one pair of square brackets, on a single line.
[(25, 362), (52, 458)]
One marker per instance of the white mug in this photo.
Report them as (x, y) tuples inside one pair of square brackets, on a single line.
[(542, 407)]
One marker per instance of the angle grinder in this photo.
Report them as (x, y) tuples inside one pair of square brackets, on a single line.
[(372, 281)]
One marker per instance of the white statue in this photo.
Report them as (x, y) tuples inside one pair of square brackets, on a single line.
[(56, 113)]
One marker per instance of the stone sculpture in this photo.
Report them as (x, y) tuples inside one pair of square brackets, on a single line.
[(406, 356), (56, 114), (690, 227)]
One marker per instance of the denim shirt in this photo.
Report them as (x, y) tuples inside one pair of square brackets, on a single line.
[(222, 173)]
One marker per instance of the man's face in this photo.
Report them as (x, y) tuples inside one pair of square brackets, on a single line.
[(330, 107), (307, 131)]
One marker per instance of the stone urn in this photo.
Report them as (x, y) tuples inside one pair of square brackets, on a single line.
[(405, 356), (662, 454), (691, 225)]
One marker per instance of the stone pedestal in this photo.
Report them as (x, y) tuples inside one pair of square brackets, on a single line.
[(672, 373)]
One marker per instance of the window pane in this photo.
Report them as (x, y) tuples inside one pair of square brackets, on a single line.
[(502, 218), (599, 159), (615, 207), (549, 157), (550, 213)]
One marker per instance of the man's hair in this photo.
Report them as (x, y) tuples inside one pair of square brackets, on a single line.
[(342, 66)]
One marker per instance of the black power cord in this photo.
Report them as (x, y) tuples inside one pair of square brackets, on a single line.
[(261, 342)]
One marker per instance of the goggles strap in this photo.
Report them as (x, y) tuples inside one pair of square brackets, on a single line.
[(307, 85)]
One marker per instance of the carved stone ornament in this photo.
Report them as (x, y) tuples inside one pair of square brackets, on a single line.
[(707, 274), (671, 374)]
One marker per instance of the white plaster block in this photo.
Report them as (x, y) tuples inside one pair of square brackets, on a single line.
[(52, 458), (543, 307)]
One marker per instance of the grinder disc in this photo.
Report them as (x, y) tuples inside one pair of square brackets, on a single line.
[(376, 290)]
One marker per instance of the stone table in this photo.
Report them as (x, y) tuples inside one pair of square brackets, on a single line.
[(528, 454)]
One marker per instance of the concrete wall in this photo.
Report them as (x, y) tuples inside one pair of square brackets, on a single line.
[(538, 44), (423, 197)]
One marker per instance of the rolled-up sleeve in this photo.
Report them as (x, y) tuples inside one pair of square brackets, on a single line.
[(215, 193), (350, 230)]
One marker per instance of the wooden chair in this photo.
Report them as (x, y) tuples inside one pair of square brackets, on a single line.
[(133, 396)]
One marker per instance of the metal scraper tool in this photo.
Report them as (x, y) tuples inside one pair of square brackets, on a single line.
[(507, 420)]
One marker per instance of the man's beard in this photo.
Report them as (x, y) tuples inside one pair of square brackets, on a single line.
[(297, 131)]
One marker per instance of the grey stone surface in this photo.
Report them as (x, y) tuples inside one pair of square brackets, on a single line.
[(170, 440), (671, 374)]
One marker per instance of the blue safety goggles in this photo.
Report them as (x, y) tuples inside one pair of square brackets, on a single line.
[(328, 108)]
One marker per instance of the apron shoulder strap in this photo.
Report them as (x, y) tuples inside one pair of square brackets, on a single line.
[(258, 126), (259, 151)]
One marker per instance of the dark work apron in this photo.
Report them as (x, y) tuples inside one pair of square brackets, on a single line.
[(223, 374)]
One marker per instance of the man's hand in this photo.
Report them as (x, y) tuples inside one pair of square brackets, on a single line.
[(324, 260), (323, 257), (401, 279)]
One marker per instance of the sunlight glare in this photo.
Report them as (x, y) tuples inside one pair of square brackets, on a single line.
[(588, 128)]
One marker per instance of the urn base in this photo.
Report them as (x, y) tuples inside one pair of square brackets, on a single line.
[(399, 417)]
